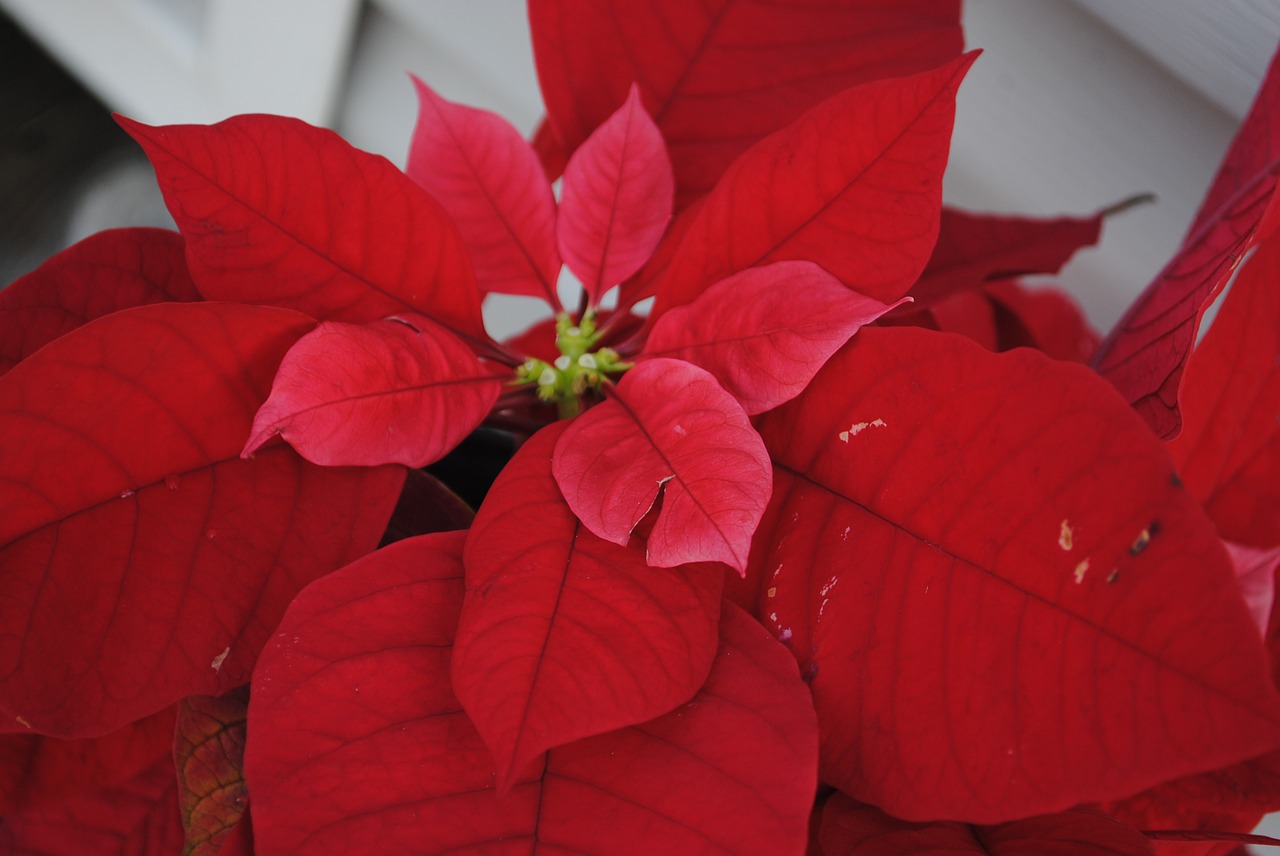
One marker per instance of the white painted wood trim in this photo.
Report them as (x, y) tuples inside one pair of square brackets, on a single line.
[(286, 56)]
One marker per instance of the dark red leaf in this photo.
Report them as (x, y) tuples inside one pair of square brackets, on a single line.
[(764, 332), (720, 75), (1043, 318), (355, 737), (564, 635), (399, 391), (1229, 450), (277, 212), (137, 818), (209, 751), (855, 185), (977, 248), (668, 429), (109, 271), (426, 505), (144, 561), (851, 828), (1231, 799), (1144, 355), (1006, 603), (616, 200), (489, 179), (38, 771)]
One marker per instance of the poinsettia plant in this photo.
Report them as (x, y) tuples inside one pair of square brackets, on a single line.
[(803, 527)]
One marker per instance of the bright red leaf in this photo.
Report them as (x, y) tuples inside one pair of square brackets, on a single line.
[(855, 185), (719, 75), (616, 200), (564, 635), (488, 178), (667, 429), (128, 514), (848, 827), (1145, 354), (977, 248), (106, 272), (209, 751), (137, 818), (1005, 601), (358, 678), (1229, 450), (278, 212), (399, 391), (38, 771), (764, 332)]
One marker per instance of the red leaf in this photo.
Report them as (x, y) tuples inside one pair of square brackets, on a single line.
[(616, 199), (976, 248), (400, 391), (668, 429), (355, 737), (209, 751), (106, 272), (38, 771), (1145, 353), (1043, 318), (563, 635), (854, 185), (1229, 450), (489, 179), (128, 510), (277, 212), (426, 505), (1256, 574), (139, 817), (720, 75), (1006, 603), (764, 332), (848, 827), (1234, 798)]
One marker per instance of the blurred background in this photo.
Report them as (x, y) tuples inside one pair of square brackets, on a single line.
[(1075, 104)]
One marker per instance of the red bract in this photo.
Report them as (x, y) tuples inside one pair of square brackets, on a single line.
[(668, 430), (719, 76), (848, 827), (403, 391), (853, 185), (1229, 450), (277, 212), (104, 273), (488, 179), (563, 635), (1013, 597), (617, 200), (359, 676), (148, 408), (1146, 352)]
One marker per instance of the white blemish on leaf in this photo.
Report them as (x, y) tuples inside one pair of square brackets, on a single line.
[(772, 592), (844, 536), (23, 722), (216, 665), (1113, 576), (858, 427), (211, 534), (126, 493), (679, 429), (1081, 570), (1065, 535), (785, 635), (773, 616), (828, 586)]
